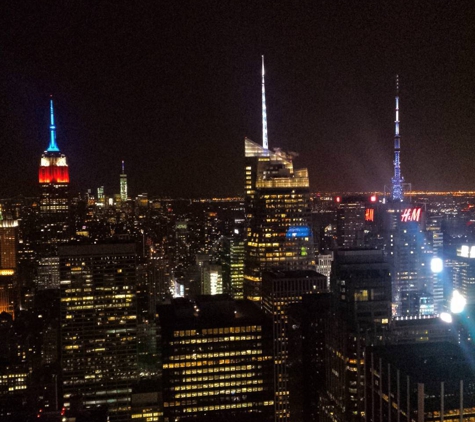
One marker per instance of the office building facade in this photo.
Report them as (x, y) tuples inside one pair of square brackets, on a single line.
[(99, 326), (217, 360)]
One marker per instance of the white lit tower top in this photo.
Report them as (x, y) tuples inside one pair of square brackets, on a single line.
[(265, 142), (123, 184), (397, 181)]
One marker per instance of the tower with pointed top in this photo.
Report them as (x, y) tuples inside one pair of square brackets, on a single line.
[(277, 202), (123, 184), (397, 181), (54, 185), (278, 239)]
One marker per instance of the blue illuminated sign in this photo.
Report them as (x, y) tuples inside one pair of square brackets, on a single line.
[(298, 231)]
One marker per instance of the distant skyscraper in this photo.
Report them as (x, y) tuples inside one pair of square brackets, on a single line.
[(212, 281), (397, 181), (233, 264), (277, 209), (324, 265), (101, 199), (123, 184), (54, 184), (351, 218), (47, 273)]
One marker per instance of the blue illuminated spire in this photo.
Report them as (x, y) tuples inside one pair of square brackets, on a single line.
[(265, 142), (53, 146), (397, 181)]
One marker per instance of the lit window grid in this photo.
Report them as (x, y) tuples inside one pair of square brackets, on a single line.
[(216, 373)]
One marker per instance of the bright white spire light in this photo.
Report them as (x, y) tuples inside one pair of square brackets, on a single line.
[(265, 142)]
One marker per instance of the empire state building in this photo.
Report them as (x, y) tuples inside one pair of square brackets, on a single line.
[(54, 185)]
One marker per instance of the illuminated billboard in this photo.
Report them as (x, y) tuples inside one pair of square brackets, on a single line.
[(411, 214), (298, 231)]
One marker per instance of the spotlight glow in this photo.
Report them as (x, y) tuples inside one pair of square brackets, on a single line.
[(457, 303), (446, 317), (436, 265)]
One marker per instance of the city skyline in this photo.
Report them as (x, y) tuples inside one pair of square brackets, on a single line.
[(169, 89)]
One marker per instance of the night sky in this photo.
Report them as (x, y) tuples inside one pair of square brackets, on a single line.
[(173, 87)]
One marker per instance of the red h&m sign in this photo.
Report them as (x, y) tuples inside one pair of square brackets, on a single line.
[(411, 214)]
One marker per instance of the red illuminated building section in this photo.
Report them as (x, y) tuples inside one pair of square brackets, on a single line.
[(53, 169), (369, 214)]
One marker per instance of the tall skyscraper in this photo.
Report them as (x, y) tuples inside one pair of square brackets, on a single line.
[(8, 264), (397, 181), (351, 214), (99, 326), (277, 203), (361, 310), (278, 217), (54, 185), (280, 289), (123, 184), (406, 247)]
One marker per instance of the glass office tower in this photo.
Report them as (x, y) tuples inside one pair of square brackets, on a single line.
[(277, 201)]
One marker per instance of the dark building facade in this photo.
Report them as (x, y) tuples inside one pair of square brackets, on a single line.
[(280, 289), (306, 359), (423, 383), (360, 313)]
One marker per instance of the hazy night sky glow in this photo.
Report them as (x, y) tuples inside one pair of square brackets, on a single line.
[(174, 87)]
